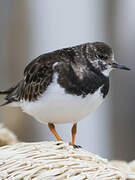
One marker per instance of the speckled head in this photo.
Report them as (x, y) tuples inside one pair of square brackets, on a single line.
[(102, 58)]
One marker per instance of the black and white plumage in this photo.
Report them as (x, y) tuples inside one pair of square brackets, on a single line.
[(65, 85)]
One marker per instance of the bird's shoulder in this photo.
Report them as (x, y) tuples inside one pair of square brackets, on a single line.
[(65, 56), (42, 62), (43, 65)]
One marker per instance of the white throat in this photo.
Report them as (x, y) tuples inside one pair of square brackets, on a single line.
[(106, 72)]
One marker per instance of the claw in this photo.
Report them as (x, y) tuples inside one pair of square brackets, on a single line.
[(75, 146)]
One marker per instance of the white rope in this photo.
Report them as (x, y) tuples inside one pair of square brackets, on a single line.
[(127, 169), (53, 161)]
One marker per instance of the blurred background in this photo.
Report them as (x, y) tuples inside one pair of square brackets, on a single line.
[(29, 28)]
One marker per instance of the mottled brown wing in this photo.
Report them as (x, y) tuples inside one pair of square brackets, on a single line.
[(37, 77)]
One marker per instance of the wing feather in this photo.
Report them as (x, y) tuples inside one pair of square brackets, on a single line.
[(37, 76)]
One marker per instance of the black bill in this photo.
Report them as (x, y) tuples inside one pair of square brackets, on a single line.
[(119, 66)]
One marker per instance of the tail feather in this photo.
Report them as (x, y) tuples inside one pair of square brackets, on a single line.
[(3, 92), (7, 99), (6, 91), (5, 103)]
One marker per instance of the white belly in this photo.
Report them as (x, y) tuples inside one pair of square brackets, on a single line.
[(55, 106)]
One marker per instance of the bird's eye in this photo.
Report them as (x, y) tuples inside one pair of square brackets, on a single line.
[(102, 56)]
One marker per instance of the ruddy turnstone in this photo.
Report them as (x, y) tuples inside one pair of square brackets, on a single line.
[(66, 85)]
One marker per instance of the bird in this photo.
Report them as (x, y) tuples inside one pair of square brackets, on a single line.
[(64, 86)]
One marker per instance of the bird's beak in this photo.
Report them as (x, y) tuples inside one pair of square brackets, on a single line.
[(115, 65)]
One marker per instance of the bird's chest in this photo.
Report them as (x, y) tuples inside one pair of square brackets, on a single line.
[(57, 106), (82, 81)]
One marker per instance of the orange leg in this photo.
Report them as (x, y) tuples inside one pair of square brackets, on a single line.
[(74, 131), (53, 130)]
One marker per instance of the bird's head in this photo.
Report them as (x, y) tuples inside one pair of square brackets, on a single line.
[(102, 58)]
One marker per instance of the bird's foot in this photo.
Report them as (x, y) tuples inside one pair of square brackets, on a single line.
[(75, 146)]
